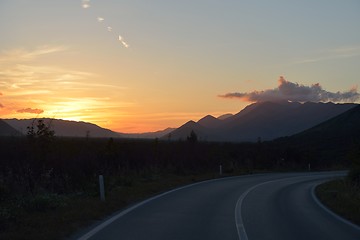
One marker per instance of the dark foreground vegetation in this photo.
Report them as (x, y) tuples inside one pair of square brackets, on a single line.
[(343, 195), (49, 185)]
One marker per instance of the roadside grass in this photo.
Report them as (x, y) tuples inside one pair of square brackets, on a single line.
[(342, 198), (39, 218)]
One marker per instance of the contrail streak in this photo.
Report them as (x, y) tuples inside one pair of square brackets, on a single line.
[(123, 42), (86, 4)]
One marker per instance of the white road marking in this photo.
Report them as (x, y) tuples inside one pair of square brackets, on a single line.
[(126, 211), (331, 212), (238, 213)]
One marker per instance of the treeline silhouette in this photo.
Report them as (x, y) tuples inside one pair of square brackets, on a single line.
[(44, 163)]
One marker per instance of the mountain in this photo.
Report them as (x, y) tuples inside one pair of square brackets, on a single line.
[(265, 120), (332, 141), (225, 116), (64, 128), (148, 135), (7, 130), (184, 131), (342, 129), (209, 122)]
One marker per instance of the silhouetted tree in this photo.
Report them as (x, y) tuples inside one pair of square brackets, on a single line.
[(192, 137), (43, 131), (38, 164)]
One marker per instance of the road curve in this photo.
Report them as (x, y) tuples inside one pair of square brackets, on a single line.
[(260, 206)]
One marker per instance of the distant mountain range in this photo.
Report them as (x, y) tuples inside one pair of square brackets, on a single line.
[(64, 128), (148, 135), (263, 120)]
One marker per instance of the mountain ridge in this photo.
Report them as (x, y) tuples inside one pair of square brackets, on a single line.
[(7, 130), (69, 128), (263, 120), (332, 141), (64, 128)]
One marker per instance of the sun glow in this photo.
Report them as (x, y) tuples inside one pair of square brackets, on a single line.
[(132, 66)]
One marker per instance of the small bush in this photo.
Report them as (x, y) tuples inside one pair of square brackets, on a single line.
[(44, 202), (354, 177), (7, 215)]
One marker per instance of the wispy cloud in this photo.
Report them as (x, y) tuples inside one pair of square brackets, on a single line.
[(22, 78), (30, 110), (100, 19), (22, 55), (296, 92), (28, 88), (109, 29), (1, 106), (332, 54)]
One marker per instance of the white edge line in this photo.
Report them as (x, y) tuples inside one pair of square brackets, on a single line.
[(238, 217), (101, 226), (238, 213), (338, 217)]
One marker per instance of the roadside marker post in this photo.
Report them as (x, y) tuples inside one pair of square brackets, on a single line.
[(102, 189), (220, 170)]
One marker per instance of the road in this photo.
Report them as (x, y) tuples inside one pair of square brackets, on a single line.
[(267, 206)]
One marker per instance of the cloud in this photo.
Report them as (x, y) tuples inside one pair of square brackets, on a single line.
[(85, 3), (288, 91), (22, 55), (100, 19), (30, 110), (21, 80), (333, 54), (109, 29), (121, 39)]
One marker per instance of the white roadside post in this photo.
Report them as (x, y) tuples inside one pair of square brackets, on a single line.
[(102, 189), (220, 169)]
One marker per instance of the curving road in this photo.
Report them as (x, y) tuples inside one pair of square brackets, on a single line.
[(268, 206)]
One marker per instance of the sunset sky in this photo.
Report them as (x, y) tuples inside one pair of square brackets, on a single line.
[(137, 66)]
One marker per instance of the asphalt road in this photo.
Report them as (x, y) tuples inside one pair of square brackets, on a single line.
[(268, 206)]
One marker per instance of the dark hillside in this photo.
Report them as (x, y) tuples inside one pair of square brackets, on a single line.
[(209, 121), (64, 128), (264, 120), (332, 140), (7, 130), (342, 129)]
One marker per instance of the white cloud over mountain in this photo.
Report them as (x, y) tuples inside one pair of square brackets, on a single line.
[(289, 91)]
